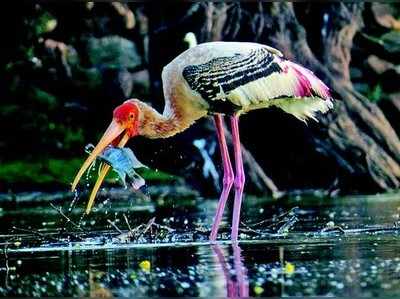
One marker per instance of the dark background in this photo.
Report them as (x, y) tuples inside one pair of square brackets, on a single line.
[(65, 66)]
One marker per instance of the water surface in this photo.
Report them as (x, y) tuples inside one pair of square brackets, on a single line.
[(295, 246)]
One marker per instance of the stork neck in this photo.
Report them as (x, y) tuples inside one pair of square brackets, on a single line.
[(175, 119)]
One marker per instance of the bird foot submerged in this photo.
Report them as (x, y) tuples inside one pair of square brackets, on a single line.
[(124, 162)]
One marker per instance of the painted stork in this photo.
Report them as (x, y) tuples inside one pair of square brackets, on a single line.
[(217, 79)]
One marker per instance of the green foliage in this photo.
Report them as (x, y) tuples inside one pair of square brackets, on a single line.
[(45, 23), (149, 175), (376, 93), (71, 138), (88, 78), (39, 172), (8, 109), (390, 41), (157, 175), (62, 172), (42, 98)]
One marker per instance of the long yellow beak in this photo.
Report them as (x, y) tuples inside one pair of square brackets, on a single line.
[(112, 132)]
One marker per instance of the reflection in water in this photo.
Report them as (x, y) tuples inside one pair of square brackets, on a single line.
[(235, 274), (268, 270), (302, 262)]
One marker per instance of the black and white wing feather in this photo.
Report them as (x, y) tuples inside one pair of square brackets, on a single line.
[(258, 79)]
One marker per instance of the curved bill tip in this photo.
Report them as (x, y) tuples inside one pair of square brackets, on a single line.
[(103, 172)]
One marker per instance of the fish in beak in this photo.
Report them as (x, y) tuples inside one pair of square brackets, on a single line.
[(114, 134), (124, 162), (123, 126)]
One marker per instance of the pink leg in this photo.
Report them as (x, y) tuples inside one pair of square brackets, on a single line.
[(239, 179), (228, 176)]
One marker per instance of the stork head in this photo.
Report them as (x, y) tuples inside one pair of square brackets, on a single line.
[(124, 125), (126, 118)]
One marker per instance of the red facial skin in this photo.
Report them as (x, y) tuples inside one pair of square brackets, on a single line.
[(127, 115)]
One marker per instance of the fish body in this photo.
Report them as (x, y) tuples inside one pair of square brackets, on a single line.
[(124, 162)]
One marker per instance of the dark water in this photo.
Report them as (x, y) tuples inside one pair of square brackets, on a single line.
[(304, 246)]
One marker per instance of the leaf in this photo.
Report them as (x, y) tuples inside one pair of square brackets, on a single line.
[(45, 23), (390, 41), (376, 93)]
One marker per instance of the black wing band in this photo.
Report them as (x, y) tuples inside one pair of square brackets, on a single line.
[(216, 78)]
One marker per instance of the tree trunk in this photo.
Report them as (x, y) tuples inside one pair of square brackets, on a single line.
[(356, 135)]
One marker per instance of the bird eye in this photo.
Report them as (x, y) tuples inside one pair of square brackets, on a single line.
[(131, 115)]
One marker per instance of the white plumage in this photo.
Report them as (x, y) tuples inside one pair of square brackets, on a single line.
[(261, 78), (218, 78)]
